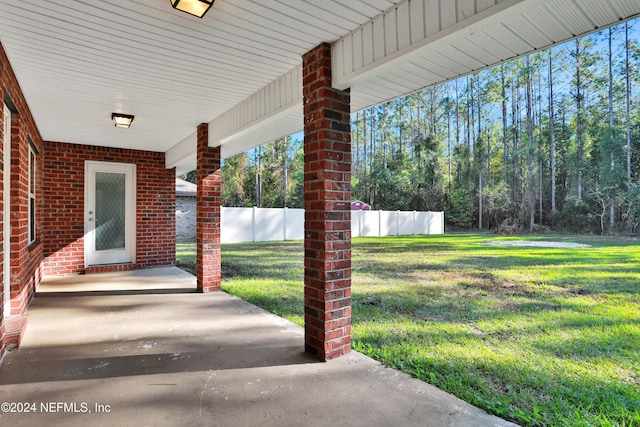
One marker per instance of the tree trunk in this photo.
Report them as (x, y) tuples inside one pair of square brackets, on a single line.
[(457, 117), (285, 170), (540, 144), (449, 144), (515, 116), (612, 203), (469, 125), (356, 146), (529, 101), (257, 164), (372, 157), (400, 108), (505, 143), (364, 144), (579, 119), (541, 189), (480, 131), (628, 107), (552, 135), (383, 126), (457, 114), (480, 199)]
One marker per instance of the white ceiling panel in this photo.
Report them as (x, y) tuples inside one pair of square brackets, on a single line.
[(478, 52), (549, 24), (575, 17), (510, 37), (601, 13), (529, 31), (85, 59), (625, 8), (484, 42)]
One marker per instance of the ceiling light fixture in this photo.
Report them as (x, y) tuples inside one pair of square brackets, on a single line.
[(121, 120), (194, 7)]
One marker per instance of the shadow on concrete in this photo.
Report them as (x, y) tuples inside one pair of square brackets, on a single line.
[(92, 368), (122, 292)]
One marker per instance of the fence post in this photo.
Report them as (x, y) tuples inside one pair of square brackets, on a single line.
[(222, 227), (284, 226), (414, 226), (355, 220), (397, 222), (253, 223)]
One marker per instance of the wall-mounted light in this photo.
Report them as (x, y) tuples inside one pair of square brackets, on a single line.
[(121, 120), (194, 7)]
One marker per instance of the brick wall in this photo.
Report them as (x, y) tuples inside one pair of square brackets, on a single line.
[(64, 197), (26, 259), (327, 204)]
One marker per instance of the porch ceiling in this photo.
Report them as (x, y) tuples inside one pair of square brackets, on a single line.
[(79, 60), (239, 67)]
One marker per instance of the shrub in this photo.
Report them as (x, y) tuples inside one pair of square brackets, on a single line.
[(460, 212), (576, 217)]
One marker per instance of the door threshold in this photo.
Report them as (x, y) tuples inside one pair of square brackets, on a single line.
[(108, 268)]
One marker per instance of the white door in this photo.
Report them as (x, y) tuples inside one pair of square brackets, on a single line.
[(6, 199), (110, 213)]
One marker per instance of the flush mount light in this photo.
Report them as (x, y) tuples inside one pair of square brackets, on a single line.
[(121, 120), (194, 7)]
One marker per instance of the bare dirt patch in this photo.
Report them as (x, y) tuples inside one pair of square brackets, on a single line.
[(538, 244)]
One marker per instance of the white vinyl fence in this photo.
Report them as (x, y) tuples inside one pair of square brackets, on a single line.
[(261, 225), (395, 223)]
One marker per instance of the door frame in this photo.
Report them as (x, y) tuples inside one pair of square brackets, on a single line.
[(119, 256)]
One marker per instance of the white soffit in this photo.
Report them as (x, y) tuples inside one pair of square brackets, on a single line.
[(415, 44), (280, 98), (419, 43), (182, 156)]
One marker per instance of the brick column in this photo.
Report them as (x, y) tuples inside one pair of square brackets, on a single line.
[(2, 236), (327, 203), (208, 256)]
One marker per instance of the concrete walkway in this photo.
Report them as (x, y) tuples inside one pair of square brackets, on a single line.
[(143, 349)]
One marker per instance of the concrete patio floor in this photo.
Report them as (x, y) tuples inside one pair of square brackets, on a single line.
[(142, 348)]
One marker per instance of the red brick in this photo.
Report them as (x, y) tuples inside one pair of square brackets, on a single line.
[(25, 259), (327, 188), (208, 176), (64, 216)]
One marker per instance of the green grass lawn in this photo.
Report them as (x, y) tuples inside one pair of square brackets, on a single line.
[(535, 335)]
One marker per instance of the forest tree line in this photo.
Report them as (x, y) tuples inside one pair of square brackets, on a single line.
[(549, 140)]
